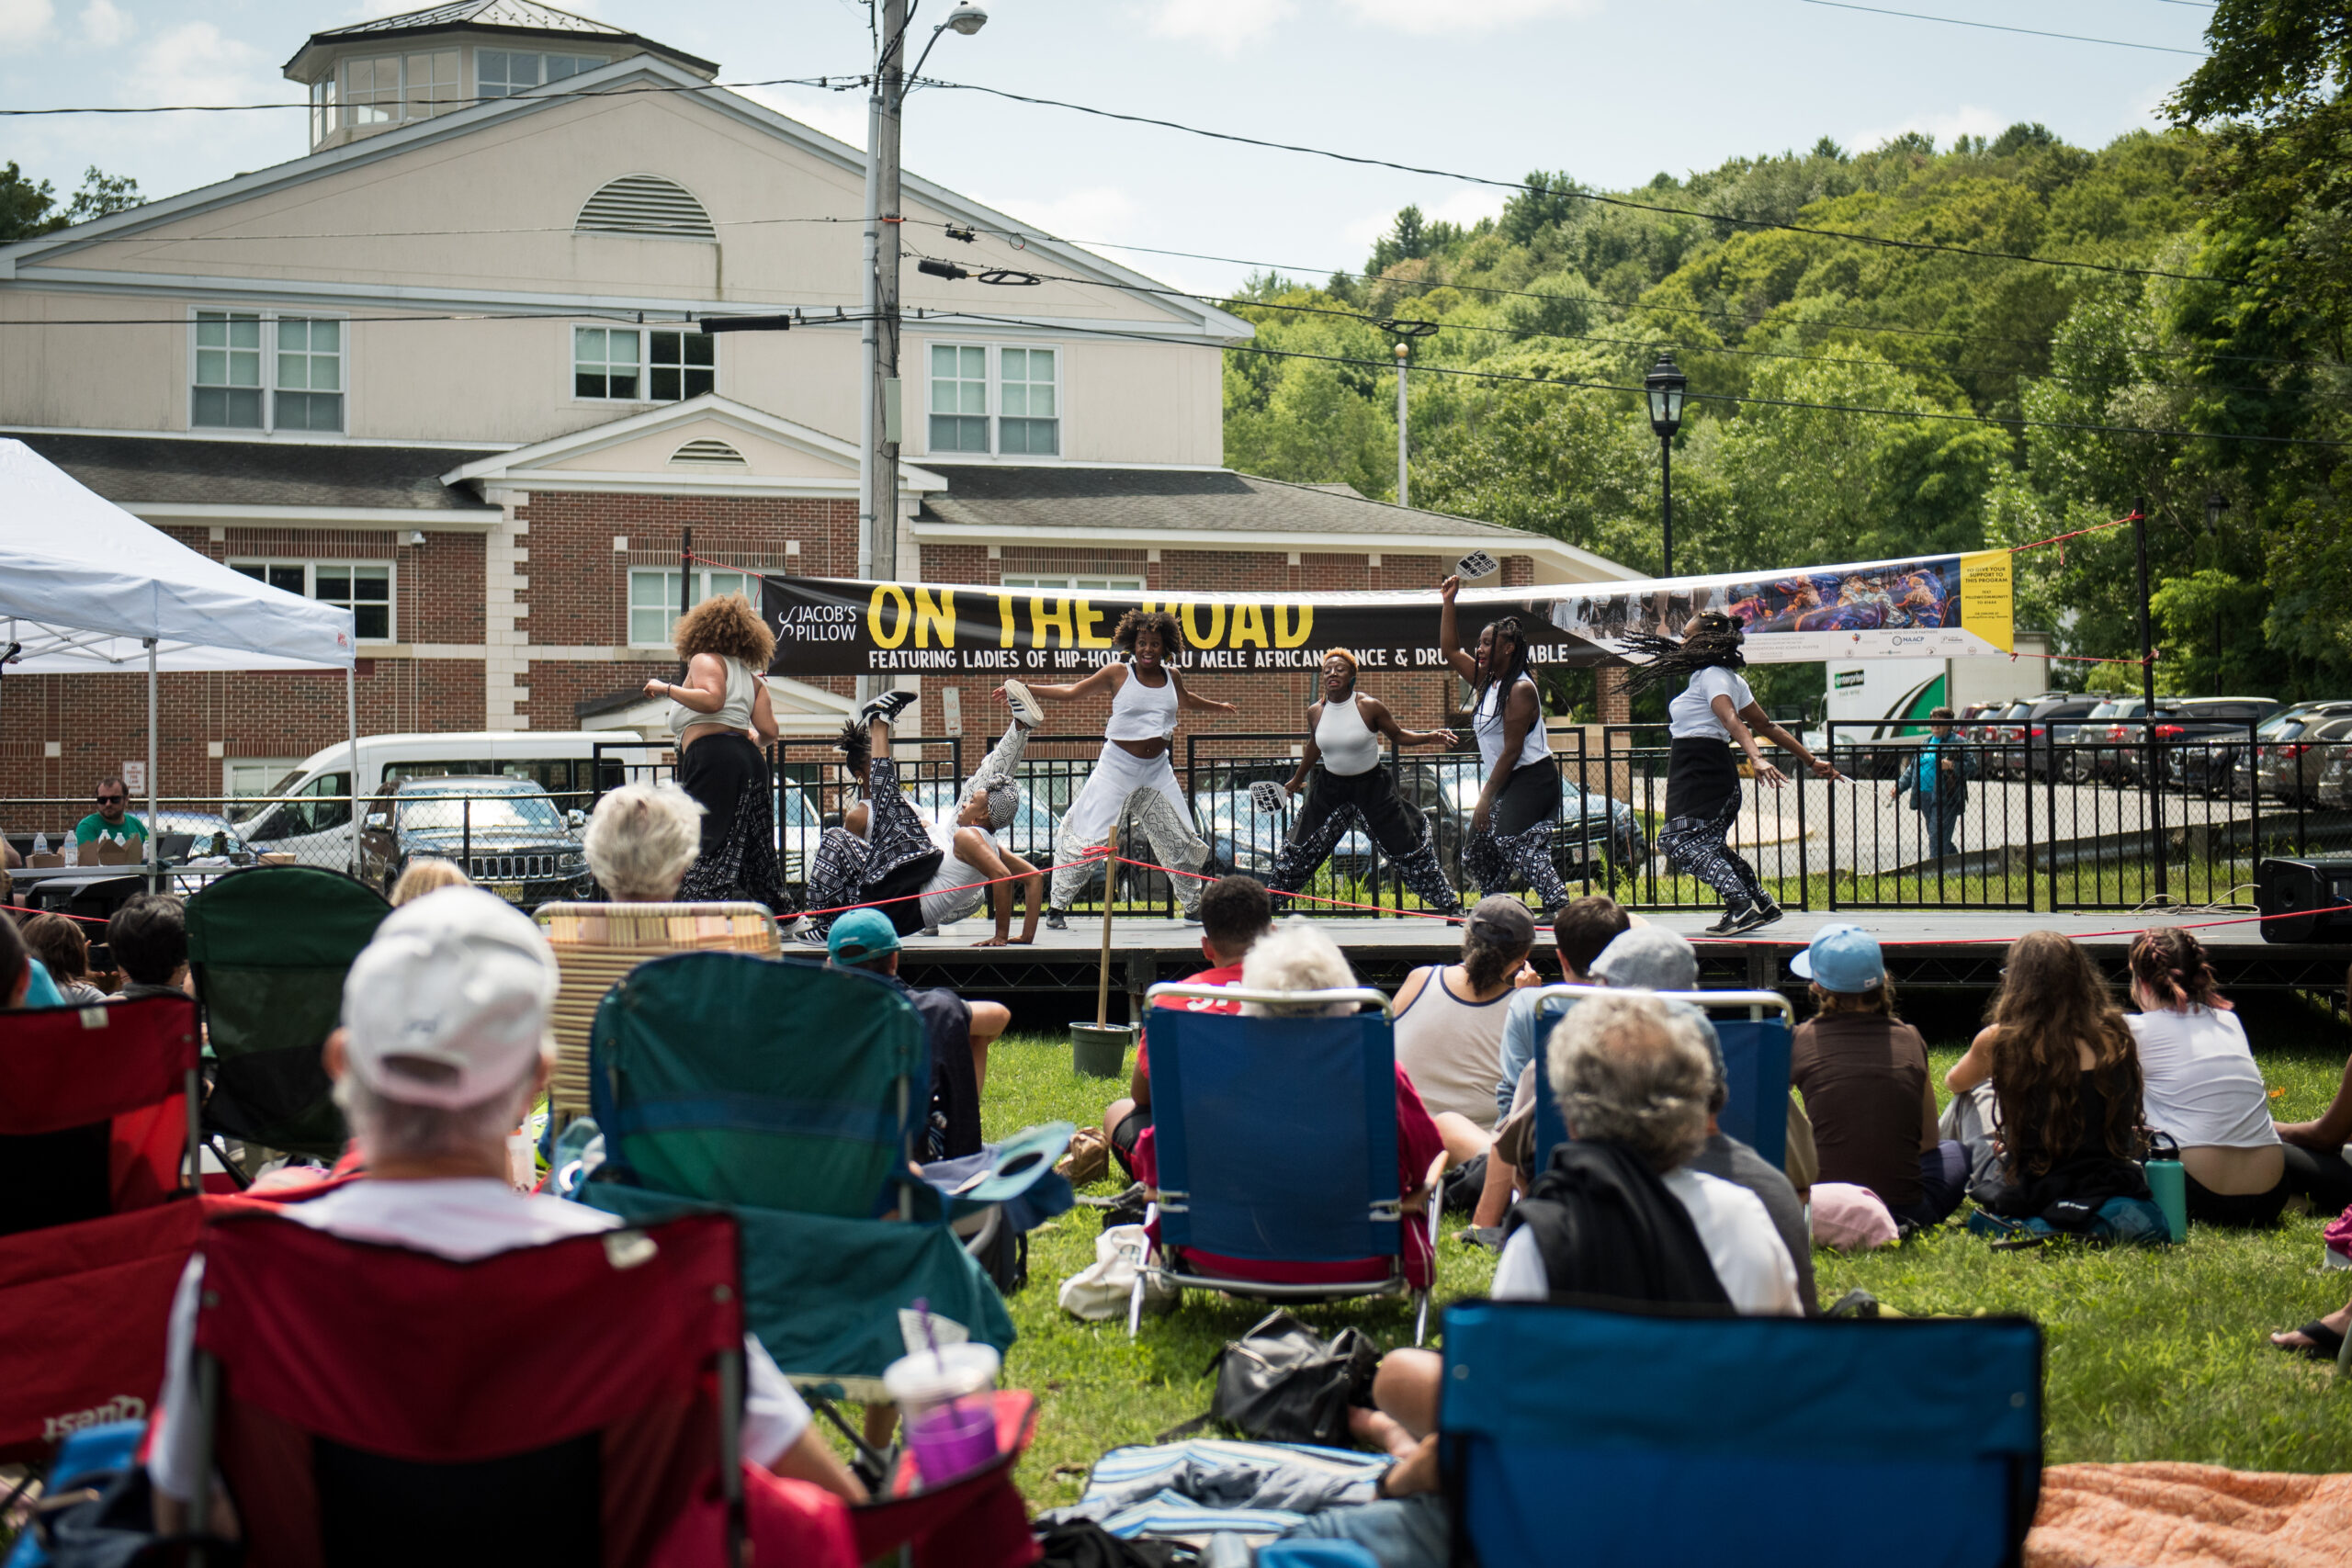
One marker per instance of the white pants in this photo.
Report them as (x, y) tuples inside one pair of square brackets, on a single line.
[(1094, 816)]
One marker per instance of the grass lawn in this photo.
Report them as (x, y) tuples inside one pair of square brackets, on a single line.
[(2152, 1355)]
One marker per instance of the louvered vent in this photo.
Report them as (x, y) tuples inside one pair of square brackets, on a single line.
[(646, 204), (709, 454)]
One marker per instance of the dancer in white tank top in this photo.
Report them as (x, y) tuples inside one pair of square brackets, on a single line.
[(1510, 828), (1343, 780), (1146, 694)]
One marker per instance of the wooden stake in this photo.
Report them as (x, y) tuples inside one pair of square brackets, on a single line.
[(1110, 883)]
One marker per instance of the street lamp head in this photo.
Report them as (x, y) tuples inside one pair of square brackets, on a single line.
[(967, 20), (1665, 384), (2215, 504)]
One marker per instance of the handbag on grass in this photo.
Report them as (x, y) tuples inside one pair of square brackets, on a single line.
[(1283, 1382)]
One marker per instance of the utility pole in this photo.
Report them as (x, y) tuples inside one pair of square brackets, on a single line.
[(878, 432), (1403, 352)]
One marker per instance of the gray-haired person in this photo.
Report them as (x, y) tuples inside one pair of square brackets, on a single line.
[(641, 840)]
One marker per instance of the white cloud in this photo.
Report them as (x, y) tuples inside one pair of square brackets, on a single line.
[(21, 21), (1966, 120), (194, 63), (1433, 17), (1224, 25), (103, 24)]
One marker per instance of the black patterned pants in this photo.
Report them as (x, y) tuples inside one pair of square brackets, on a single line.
[(1333, 804)]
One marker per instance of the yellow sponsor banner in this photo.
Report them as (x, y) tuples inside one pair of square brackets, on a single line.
[(1987, 597)]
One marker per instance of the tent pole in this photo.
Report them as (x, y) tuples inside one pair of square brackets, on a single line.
[(151, 766), (351, 720)]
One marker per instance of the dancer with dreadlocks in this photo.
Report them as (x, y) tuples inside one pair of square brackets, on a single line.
[(1716, 710), (1344, 780), (1145, 692), (921, 873), (1511, 829)]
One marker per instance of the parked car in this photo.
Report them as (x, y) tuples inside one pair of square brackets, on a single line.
[(2206, 743), (2024, 751), (211, 839), (2083, 746), (506, 834), (2286, 764), (2334, 790)]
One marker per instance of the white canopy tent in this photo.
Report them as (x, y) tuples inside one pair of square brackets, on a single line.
[(85, 587)]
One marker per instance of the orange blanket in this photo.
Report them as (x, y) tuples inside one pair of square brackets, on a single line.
[(2189, 1515)]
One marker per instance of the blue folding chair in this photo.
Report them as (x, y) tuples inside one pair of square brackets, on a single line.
[(1570, 1435), (1244, 1174), (1756, 1066)]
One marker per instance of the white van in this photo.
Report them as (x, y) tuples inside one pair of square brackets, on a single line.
[(307, 815)]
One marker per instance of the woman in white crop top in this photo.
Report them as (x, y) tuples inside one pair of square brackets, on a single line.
[(721, 717), (1510, 828), (2199, 1084), (1341, 775), (1134, 771)]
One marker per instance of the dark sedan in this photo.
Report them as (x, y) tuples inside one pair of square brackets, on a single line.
[(505, 833)]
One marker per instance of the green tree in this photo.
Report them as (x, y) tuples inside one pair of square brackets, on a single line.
[(27, 207)]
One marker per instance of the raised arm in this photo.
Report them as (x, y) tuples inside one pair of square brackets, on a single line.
[(1449, 639), (1106, 679), (1746, 741), (1756, 720), (1194, 701), (1376, 713), (1309, 756)]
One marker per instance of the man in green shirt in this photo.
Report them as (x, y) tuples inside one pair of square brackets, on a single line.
[(110, 821)]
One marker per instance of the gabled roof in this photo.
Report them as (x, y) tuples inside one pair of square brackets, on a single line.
[(127, 469), (518, 17)]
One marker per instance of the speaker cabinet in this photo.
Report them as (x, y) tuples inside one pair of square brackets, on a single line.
[(2289, 889)]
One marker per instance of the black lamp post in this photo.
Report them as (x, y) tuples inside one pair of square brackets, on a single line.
[(2215, 504), (1665, 384)]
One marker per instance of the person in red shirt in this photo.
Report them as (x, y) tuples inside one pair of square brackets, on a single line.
[(1235, 912)]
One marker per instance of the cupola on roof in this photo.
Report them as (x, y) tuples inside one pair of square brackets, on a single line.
[(517, 19)]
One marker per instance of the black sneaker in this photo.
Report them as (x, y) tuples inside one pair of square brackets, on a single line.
[(886, 706), (1739, 918), (1056, 920)]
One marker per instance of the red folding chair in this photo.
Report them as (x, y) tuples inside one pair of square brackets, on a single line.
[(100, 1113), (97, 1108), (575, 1403)]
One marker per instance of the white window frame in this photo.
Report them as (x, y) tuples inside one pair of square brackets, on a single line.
[(1080, 583), (581, 64), (995, 401), (644, 363), (269, 318), (447, 97), (705, 577), (309, 588)]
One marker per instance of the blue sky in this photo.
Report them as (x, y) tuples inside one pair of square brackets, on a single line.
[(1613, 91)]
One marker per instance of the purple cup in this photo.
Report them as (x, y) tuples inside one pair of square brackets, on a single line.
[(952, 1440)]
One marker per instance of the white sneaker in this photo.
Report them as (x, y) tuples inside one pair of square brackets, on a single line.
[(1027, 709)]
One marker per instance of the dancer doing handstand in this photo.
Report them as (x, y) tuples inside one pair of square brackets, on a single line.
[(1510, 828), (1145, 692), (1343, 780), (1713, 712)]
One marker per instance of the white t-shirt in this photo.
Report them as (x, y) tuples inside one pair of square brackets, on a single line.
[(462, 1220), (1693, 712), (2199, 1079), (1755, 1269)]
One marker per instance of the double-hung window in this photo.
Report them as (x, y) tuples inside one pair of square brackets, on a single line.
[(258, 371), (650, 366), (1083, 584), (653, 599), (365, 588), (994, 399), (502, 72)]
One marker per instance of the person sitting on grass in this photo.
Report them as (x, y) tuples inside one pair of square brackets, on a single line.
[(641, 840), (958, 1032), (2067, 1074), (1863, 1073), (2199, 1084), (444, 1047), (2314, 1149), (147, 937), (1235, 912), (1450, 1017), (427, 873), (59, 943)]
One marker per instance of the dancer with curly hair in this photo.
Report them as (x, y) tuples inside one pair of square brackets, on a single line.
[(1715, 711), (720, 718), (1510, 828), (1146, 694)]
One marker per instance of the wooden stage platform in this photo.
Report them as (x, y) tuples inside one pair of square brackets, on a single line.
[(1948, 951)]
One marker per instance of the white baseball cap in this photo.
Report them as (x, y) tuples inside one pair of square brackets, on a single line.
[(458, 979)]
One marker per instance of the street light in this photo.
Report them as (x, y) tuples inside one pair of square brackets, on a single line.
[(1665, 384), (965, 19)]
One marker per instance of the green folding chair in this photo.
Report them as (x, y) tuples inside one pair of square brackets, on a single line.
[(269, 948), (789, 1093)]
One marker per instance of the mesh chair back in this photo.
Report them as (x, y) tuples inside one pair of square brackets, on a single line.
[(1570, 1435), (95, 1117), (372, 1404), (1756, 1070), (269, 948), (595, 944), (1245, 1169), (773, 1083)]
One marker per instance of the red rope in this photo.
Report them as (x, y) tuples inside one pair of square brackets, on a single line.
[(28, 908), (2061, 539), (1088, 857), (1310, 898), (2086, 936)]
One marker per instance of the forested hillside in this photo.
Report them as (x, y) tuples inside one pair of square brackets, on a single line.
[(1566, 288)]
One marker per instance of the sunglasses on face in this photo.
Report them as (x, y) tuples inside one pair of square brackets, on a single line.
[(108, 799)]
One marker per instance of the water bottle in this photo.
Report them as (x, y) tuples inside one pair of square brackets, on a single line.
[(2169, 1185), (40, 843)]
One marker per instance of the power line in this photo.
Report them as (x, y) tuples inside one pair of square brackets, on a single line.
[(1579, 384), (1567, 194), (1997, 27), (831, 83)]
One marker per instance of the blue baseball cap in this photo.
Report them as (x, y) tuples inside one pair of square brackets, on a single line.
[(861, 935), (1842, 958)]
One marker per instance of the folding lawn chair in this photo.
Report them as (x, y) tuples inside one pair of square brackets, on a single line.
[(1245, 1173), (595, 944), (570, 1403), (1756, 1069), (1570, 1435), (788, 1092), (269, 947)]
